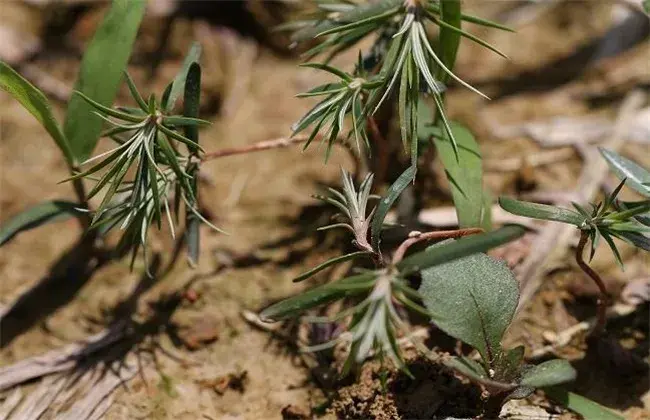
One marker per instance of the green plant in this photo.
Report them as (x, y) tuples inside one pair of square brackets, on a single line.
[(476, 307), (375, 320), (611, 218), (99, 78), (148, 139), (408, 67), (485, 296), (403, 59)]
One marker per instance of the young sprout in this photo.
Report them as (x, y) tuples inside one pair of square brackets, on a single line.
[(147, 142), (603, 220), (375, 321)]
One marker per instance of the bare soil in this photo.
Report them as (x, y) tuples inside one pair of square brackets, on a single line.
[(210, 363)]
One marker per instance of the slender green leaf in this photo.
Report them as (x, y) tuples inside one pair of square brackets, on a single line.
[(38, 215), (612, 245), (359, 22), (135, 93), (465, 174), (468, 36), (356, 14), (460, 248), (178, 85), (329, 69), (101, 71), (587, 408), (468, 367), (435, 8), (473, 299), (107, 110), (636, 239), (191, 106), (541, 211), (37, 104), (317, 296), (549, 373), (449, 38), (643, 218), (624, 168), (329, 263), (387, 201)]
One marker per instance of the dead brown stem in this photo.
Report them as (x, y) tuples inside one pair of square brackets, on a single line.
[(603, 298), (415, 237)]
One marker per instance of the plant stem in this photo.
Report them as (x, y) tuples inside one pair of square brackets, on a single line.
[(603, 298), (278, 143), (382, 149), (256, 147), (415, 237), (80, 191)]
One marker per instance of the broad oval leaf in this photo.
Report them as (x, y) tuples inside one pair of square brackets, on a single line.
[(541, 211), (508, 364), (40, 214), (293, 306), (460, 248), (587, 408), (636, 177), (101, 72), (37, 104), (549, 373), (472, 299)]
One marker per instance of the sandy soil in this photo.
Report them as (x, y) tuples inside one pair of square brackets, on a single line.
[(212, 364)]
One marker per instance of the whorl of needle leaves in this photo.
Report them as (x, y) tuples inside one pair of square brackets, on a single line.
[(611, 218), (402, 57), (147, 142)]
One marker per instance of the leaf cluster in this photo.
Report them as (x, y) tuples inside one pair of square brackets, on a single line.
[(608, 219), (99, 77), (148, 141), (403, 59), (374, 321), (146, 177), (477, 307)]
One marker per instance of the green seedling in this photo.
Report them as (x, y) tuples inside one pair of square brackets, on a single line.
[(608, 219)]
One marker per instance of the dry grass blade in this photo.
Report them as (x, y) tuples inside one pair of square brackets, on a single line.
[(33, 407), (55, 360), (99, 392)]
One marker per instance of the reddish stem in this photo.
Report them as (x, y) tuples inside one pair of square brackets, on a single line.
[(603, 299), (415, 237), (275, 144), (256, 147)]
